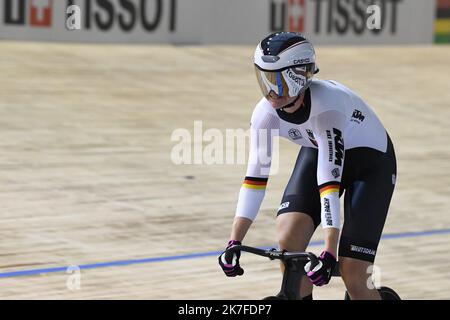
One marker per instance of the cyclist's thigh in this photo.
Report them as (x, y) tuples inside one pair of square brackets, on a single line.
[(294, 231), (366, 204), (302, 193)]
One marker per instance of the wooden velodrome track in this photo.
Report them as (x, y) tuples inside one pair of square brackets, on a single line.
[(87, 178)]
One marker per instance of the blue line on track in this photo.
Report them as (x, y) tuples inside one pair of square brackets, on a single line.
[(192, 256)]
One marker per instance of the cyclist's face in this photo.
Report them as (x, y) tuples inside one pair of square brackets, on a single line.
[(279, 102)]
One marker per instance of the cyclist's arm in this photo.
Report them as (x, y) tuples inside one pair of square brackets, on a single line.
[(240, 228), (328, 128), (263, 127)]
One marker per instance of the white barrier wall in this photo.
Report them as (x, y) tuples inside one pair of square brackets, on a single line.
[(217, 21)]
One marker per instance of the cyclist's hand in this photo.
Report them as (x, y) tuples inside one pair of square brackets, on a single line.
[(321, 274), (230, 262)]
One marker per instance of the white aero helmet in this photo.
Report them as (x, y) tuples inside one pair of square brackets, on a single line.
[(285, 63)]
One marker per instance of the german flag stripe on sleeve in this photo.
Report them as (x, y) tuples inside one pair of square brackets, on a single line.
[(329, 187), (255, 183)]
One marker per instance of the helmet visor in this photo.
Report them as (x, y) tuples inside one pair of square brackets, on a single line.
[(288, 82)]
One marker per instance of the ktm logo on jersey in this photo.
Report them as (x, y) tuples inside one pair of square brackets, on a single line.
[(338, 147)]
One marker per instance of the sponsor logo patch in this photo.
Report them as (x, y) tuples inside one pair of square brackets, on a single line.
[(336, 173), (295, 134), (311, 137), (357, 116), (326, 206), (284, 205), (362, 250), (330, 146)]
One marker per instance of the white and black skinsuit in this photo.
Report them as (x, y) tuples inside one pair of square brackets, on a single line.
[(344, 147)]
